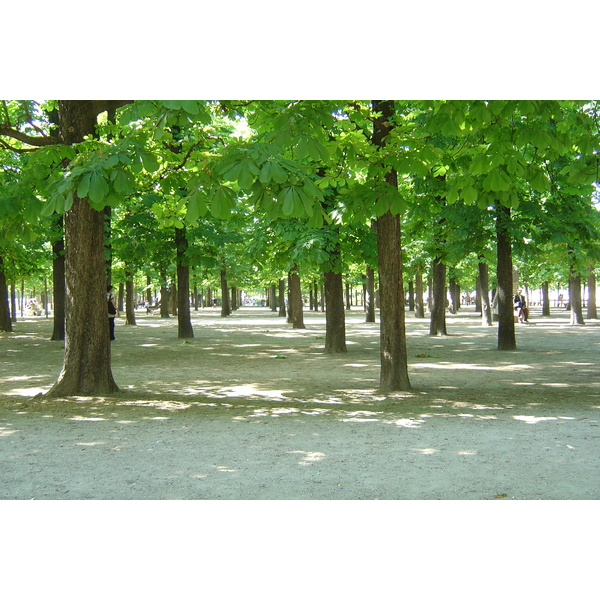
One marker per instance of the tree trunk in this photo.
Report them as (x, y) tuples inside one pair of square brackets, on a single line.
[(335, 316), (437, 323), (484, 294), (58, 286), (225, 306), (5, 322), (129, 300), (575, 299), (174, 297), (504, 274), (184, 320), (454, 289), (348, 296), (282, 311), (392, 336), (296, 307), (86, 369), (370, 295), (419, 306), (592, 310), (545, 299), (13, 304)]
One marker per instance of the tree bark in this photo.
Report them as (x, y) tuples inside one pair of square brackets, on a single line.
[(484, 294), (335, 315), (129, 300), (184, 319), (437, 322), (5, 322), (58, 285), (392, 336), (87, 364), (592, 310), (282, 311), (225, 306), (419, 303), (370, 295), (545, 299), (504, 274), (296, 307), (575, 299)]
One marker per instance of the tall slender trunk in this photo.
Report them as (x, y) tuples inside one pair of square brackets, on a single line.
[(296, 299), (335, 315), (5, 321), (545, 299), (225, 305), (437, 322), (575, 298), (419, 303), (184, 320), (484, 294), (281, 290), (370, 295), (592, 310), (504, 273), (129, 299)]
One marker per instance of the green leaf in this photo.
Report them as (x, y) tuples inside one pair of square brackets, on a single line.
[(149, 161), (123, 182), (84, 186), (98, 188), (266, 173), (289, 201), (469, 195)]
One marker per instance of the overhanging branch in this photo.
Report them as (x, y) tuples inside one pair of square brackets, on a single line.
[(28, 139)]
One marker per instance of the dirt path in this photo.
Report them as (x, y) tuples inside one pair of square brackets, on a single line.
[(250, 409)]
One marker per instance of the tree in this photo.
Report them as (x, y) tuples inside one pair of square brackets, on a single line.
[(393, 355)]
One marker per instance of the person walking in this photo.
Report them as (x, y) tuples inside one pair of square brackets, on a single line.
[(520, 306), (112, 311)]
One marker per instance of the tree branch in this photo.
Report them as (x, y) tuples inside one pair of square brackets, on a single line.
[(8, 131)]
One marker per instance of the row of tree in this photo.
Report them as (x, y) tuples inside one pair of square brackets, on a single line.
[(272, 191)]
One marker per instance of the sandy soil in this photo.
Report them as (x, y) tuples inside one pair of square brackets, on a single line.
[(251, 409)]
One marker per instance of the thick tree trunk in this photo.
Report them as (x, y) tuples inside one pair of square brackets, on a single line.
[(437, 322), (296, 307), (392, 336), (504, 273), (184, 319), (592, 310), (5, 322), (335, 316), (484, 294), (87, 368)]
